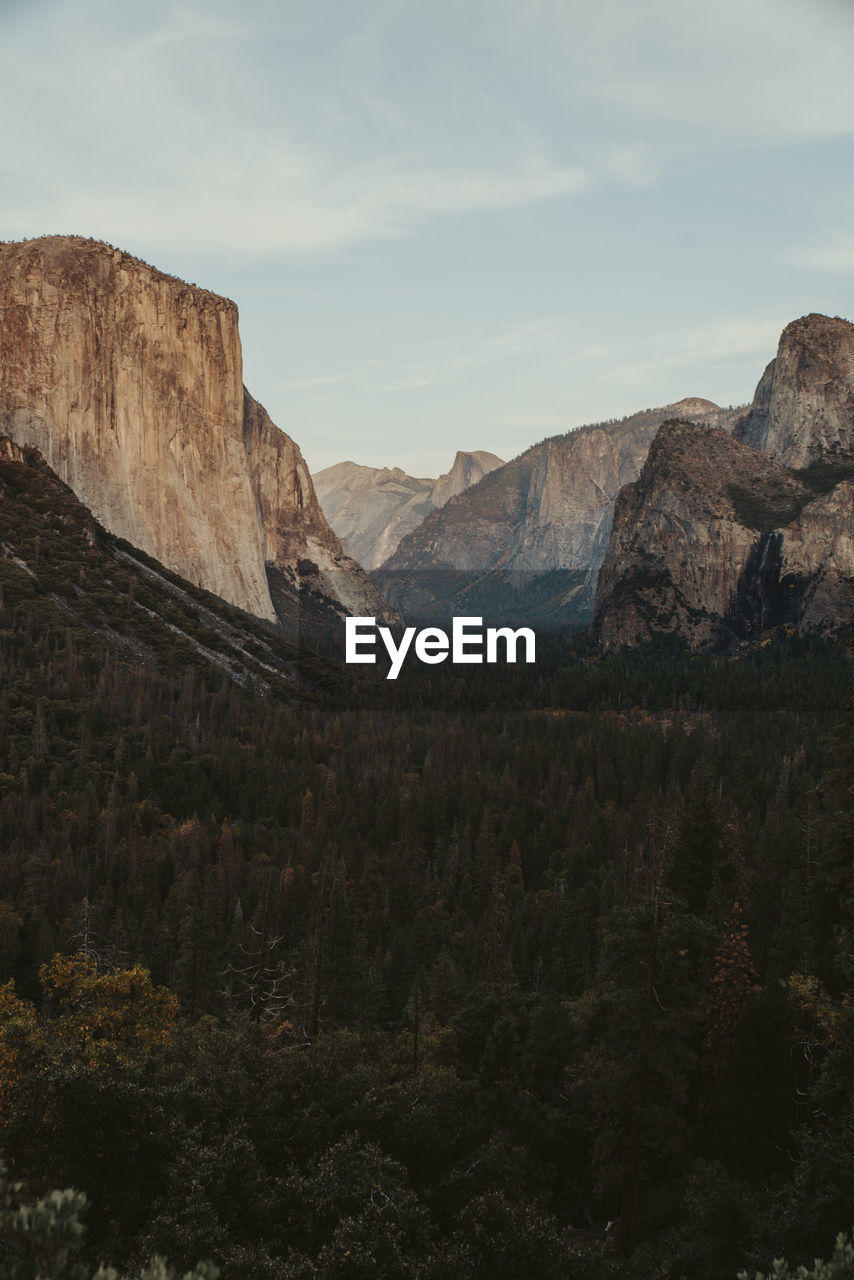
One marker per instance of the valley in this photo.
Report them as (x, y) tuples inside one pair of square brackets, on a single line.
[(495, 968)]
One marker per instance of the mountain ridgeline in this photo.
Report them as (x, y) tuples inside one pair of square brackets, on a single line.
[(723, 538), (529, 538), (372, 508)]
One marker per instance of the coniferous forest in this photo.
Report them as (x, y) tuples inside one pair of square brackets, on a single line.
[(484, 973)]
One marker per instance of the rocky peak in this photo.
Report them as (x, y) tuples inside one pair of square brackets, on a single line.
[(692, 407), (803, 409), (467, 469)]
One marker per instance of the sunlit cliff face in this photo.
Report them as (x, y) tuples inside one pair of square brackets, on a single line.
[(130, 382)]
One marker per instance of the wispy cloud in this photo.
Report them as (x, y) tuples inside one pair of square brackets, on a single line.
[(635, 165), (730, 338), (720, 339), (267, 197), (168, 160), (170, 126), (834, 252), (306, 384), (537, 338), (441, 362), (778, 70)]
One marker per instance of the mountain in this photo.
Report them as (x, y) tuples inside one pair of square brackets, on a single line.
[(722, 538), (372, 508), (130, 384), (539, 524)]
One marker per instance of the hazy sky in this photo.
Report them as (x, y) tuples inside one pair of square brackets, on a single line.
[(453, 225)]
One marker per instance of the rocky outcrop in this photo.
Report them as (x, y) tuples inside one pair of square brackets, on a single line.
[(372, 508), (11, 452), (130, 382), (803, 409), (717, 542), (548, 510), (467, 469)]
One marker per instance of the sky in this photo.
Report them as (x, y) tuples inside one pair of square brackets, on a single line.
[(457, 224)]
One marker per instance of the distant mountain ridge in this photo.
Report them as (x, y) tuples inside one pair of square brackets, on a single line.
[(372, 508), (547, 511)]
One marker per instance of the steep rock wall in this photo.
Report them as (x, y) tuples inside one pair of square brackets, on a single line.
[(130, 382)]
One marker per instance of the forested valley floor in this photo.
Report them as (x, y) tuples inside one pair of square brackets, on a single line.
[(494, 973)]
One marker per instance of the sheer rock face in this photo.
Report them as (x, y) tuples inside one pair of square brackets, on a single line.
[(130, 383), (717, 542), (804, 404), (372, 508), (294, 531)]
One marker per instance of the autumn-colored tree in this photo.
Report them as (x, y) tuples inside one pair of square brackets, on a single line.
[(87, 1004), (17, 1019)]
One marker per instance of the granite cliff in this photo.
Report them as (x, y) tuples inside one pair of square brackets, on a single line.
[(723, 537), (130, 383), (372, 508)]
